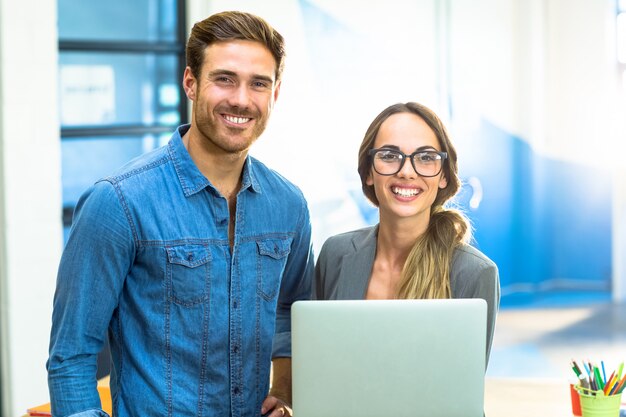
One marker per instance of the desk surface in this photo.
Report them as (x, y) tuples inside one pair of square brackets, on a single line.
[(516, 397)]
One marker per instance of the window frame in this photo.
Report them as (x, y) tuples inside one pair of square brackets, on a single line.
[(159, 47)]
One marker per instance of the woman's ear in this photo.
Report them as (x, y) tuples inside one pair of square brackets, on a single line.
[(443, 182), (369, 180)]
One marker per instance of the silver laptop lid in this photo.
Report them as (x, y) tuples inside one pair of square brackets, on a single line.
[(389, 358)]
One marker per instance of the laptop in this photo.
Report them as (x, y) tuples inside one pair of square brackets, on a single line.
[(398, 358)]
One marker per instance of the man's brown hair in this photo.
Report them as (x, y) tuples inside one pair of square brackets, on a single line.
[(229, 26)]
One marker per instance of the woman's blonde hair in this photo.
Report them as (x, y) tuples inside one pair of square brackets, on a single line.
[(426, 271)]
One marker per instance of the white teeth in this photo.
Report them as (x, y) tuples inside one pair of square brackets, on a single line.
[(405, 192), (237, 120)]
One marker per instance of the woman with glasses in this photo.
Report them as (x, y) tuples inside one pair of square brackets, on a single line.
[(420, 248)]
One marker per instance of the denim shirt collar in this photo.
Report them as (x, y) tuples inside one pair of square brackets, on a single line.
[(191, 179)]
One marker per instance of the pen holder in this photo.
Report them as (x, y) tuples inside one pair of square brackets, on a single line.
[(596, 404)]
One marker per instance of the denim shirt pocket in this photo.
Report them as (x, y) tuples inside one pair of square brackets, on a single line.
[(188, 274), (271, 261)]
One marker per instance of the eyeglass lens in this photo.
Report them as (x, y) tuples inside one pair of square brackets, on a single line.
[(390, 162)]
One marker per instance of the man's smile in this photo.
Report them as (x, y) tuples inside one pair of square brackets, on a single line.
[(238, 120)]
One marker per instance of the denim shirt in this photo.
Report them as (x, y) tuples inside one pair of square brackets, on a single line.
[(192, 324)]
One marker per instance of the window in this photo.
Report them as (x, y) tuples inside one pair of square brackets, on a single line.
[(120, 72)]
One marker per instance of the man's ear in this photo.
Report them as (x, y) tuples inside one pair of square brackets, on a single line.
[(189, 84), (277, 89)]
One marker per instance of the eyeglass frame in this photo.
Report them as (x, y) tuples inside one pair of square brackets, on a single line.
[(442, 155)]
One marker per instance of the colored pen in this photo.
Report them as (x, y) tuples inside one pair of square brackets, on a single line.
[(596, 372), (603, 372), (619, 380), (609, 384), (584, 382), (618, 386), (614, 385), (577, 369)]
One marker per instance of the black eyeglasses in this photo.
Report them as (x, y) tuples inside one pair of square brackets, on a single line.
[(390, 161)]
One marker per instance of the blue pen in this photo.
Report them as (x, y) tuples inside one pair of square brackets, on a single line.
[(587, 369), (603, 373)]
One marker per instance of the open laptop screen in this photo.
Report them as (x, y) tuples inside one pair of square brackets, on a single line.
[(398, 358)]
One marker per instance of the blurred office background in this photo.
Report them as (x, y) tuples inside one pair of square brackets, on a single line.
[(533, 92)]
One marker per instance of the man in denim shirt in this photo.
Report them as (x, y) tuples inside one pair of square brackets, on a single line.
[(189, 256)]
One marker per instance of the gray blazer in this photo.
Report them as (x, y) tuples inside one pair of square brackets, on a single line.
[(344, 268)]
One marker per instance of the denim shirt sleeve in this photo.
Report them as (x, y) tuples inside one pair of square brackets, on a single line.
[(296, 283), (94, 264)]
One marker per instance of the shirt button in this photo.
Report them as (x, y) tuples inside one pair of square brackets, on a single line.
[(235, 305), (236, 390), (190, 257), (275, 249), (223, 222), (236, 349)]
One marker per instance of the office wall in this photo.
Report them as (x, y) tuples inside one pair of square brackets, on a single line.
[(586, 104), (30, 197), (619, 235), (534, 85), (526, 86)]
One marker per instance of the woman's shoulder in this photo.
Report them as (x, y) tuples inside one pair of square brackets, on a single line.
[(473, 274), (348, 241), (468, 257)]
